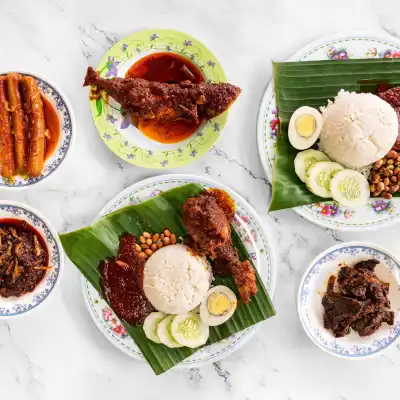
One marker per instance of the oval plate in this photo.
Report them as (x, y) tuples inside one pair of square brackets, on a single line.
[(67, 135), (125, 140), (313, 285), (247, 224), (330, 214)]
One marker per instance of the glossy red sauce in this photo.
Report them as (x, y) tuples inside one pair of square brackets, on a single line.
[(52, 124), (21, 225), (167, 68)]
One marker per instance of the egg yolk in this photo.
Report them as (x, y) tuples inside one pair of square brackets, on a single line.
[(305, 125), (218, 304)]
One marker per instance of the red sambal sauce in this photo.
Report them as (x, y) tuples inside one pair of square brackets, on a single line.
[(166, 68), (22, 263), (52, 124)]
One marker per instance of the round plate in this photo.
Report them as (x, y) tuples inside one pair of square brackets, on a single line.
[(67, 134), (313, 286), (17, 306), (247, 224), (125, 140), (330, 214)]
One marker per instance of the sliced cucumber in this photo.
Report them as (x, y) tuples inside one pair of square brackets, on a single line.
[(164, 333), (350, 188), (305, 160), (188, 330), (150, 325), (319, 177)]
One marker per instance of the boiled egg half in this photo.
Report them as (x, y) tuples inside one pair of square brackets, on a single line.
[(304, 127), (218, 306)]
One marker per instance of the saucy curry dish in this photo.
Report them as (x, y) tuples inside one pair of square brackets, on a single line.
[(29, 126), (23, 258), (166, 96)]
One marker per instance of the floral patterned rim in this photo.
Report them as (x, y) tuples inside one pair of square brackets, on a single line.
[(15, 306), (309, 299), (67, 134), (330, 214), (247, 225), (112, 123)]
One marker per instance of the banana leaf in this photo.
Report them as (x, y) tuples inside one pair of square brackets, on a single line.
[(313, 83), (88, 246)]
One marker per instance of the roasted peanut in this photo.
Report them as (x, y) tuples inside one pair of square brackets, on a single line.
[(145, 246), (138, 248), (372, 188), (375, 178), (142, 239), (142, 254), (390, 161), (148, 252), (167, 240), (149, 242), (155, 237), (167, 232), (386, 195), (173, 239), (392, 154), (154, 247), (380, 186), (386, 181), (147, 235), (159, 245), (162, 236)]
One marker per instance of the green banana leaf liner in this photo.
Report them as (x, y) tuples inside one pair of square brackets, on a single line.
[(88, 246), (313, 83)]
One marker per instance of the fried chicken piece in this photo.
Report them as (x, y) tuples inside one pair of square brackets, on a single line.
[(167, 102), (207, 218)]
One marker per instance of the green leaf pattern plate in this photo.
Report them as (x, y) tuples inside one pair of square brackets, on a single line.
[(125, 140), (329, 214), (247, 224)]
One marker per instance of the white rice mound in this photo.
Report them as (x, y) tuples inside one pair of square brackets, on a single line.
[(175, 280), (357, 129)]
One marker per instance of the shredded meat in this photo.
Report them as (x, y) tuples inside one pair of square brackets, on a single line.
[(167, 102), (207, 218)]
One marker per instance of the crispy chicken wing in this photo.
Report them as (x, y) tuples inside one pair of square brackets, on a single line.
[(207, 218), (167, 102)]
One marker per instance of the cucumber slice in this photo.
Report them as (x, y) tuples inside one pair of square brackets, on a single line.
[(150, 325), (319, 177), (305, 160), (164, 333), (188, 330), (350, 188)]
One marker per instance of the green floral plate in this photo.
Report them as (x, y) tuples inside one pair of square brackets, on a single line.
[(125, 140)]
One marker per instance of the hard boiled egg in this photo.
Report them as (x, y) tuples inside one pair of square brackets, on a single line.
[(218, 306), (304, 127)]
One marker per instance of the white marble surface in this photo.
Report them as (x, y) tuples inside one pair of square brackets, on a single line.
[(57, 353)]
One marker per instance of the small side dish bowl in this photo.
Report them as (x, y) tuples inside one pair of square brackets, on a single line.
[(63, 109), (314, 285), (17, 306)]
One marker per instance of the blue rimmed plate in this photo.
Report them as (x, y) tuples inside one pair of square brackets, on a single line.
[(67, 134), (17, 306), (313, 287)]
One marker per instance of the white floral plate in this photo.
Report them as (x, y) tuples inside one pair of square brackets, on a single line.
[(313, 286), (67, 134), (248, 226), (377, 212), (17, 306)]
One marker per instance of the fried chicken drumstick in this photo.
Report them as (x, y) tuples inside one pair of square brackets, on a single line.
[(207, 218), (167, 102)]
